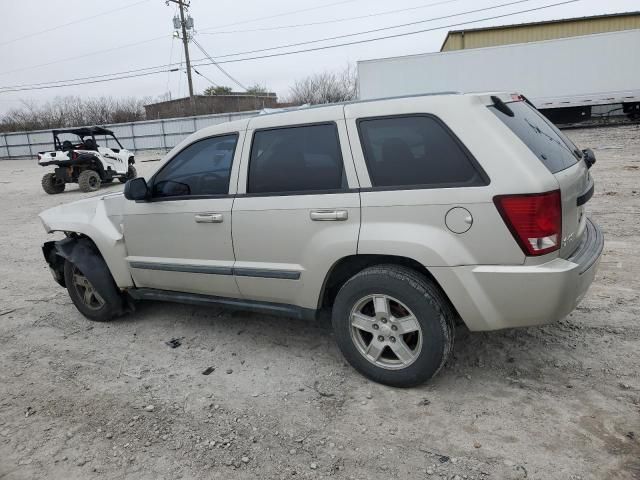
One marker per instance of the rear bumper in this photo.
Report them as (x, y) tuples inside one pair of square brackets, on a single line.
[(493, 297)]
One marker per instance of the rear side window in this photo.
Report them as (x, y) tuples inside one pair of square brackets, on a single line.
[(296, 159), (550, 145), (202, 168), (417, 150)]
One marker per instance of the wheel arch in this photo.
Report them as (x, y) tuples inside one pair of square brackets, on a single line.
[(348, 266), (92, 162)]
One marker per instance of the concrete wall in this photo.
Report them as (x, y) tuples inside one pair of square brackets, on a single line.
[(533, 32), (210, 104)]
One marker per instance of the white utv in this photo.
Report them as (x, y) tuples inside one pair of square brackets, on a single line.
[(85, 162)]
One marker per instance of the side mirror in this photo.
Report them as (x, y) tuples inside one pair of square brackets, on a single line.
[(589, 157), (136, 189)]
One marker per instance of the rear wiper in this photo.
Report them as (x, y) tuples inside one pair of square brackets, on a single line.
[(501, 106)]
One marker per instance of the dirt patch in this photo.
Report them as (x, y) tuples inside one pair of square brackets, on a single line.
[(82, 400)]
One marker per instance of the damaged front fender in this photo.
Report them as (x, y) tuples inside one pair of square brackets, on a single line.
[(99, 219), (55, 253), (84, 255)]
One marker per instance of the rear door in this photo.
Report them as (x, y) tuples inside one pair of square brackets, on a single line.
[(562, 158), (297, 211)]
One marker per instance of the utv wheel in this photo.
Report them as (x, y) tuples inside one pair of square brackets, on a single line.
[(89, 181), (85, 297), (131, 173), (393, 325), (51, 185)]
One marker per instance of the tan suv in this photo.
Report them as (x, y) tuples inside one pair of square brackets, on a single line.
[(399, 215)]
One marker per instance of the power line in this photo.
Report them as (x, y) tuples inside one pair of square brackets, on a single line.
[(206, 78), (92, 76), (268, 17), (163, 69), (170, 61), (397, 35), (90, 54), (201, 48), (493, 7), (58, 27), (89, 82), (325, 22), (97, 52)]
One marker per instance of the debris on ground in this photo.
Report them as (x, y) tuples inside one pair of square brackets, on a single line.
[(174, 342)]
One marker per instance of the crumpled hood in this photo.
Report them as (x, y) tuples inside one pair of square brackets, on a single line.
[(102, 212)]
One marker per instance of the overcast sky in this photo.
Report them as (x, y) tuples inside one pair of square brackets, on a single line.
[(28, 56)]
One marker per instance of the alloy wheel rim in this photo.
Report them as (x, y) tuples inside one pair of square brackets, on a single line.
[(385, 331), (86, 292)]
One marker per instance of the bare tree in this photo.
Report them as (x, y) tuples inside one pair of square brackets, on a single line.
[(72, 112), (325, 87)]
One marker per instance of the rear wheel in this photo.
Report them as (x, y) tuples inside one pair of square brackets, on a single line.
[(51, 184), (131, 173), (393, 325), (89, 181)]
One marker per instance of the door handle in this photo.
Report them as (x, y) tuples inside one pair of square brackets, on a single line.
[(208, 217), (328, 215)]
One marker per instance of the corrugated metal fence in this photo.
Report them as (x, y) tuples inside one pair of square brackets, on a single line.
[(148, 135)]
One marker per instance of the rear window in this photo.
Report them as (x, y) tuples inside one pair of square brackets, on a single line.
[(415, 151), (543, 138)]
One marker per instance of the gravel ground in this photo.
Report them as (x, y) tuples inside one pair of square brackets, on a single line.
[(83, 400)]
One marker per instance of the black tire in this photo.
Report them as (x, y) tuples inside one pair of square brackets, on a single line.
[(422, 298), (89, 181), (108, 311), (51, 185), (131, 173)]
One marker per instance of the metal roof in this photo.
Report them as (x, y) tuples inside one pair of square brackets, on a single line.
[(545, 22), (84, 131), (517, 27)]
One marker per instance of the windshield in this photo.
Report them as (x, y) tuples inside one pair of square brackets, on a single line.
[(543, 138)]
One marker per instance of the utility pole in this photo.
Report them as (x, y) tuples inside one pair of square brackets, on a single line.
[(185, 41)]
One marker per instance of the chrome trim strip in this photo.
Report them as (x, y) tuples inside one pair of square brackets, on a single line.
[(264, 273), (240, 272), (174, 267)]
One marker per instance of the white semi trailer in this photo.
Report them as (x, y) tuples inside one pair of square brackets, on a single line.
[(569, 79)]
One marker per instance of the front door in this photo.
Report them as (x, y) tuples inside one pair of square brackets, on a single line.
[(298, 209), (180, 240)]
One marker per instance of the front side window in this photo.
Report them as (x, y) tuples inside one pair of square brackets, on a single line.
[(202, 168), (296, 159), (416, 150)]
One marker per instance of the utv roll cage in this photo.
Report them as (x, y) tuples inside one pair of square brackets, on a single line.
[(82, 133)]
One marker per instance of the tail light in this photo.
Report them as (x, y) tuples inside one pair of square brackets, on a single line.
[(39, 157), (535, 220), (74, 155)]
